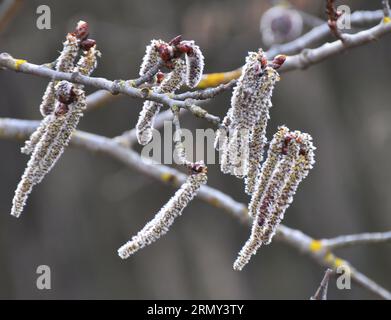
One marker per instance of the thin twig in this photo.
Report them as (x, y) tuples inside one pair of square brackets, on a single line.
[(115, 87), (147, 76), (356, 239), (317, 34), (321, 293), (312, 56), (299, 61), (21, 129), (386, 8), (98, 99), (208, 93)]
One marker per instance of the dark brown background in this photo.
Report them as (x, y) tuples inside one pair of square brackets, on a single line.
[(90, 205)]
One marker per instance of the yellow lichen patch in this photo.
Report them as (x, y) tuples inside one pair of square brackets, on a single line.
[(316, 245), (18, 63), (339, 262), (168, 177), (214, 79), (329, 258), (386, 19), (214, 202)]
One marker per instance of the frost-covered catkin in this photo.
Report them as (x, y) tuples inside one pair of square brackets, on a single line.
[(65, 63), (258, 132), (47, 143), (76, 105), (267, 169), (30, 144), (290, 158), (151, 57), (248, 114), (300, 170), (194, 64), (162, 221), (67, 124), (48, 99), (29, 177), (221, 143), (171, 83), (267, 206)]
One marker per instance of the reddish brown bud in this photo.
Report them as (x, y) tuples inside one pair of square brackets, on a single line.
[(198, 167), (159, 77), (175, 41), (82, 30), (61, 109), (287, 140), (165, 52), (278, 61), (184, 48), (87, 44), (65, 93), (263, 61)]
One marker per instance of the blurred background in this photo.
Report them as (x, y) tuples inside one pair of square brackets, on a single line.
[(89, 205)]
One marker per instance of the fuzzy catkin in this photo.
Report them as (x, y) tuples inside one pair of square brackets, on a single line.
[(267, 206), (162, 221), (171, 83), (30, 177), (258, 132), (151, 57), (290, 157), (221, 143), (194, 65), (267, 169), (242, 151), (300, 170), (47, 143), (243, 114), (68, 123), (30, 144), (48, 100), (65, 63), (87, 63)]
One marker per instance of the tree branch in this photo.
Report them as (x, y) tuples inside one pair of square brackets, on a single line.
[(21, 129), (356, 239), (317, 34), (312, 56), (115, 87)]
